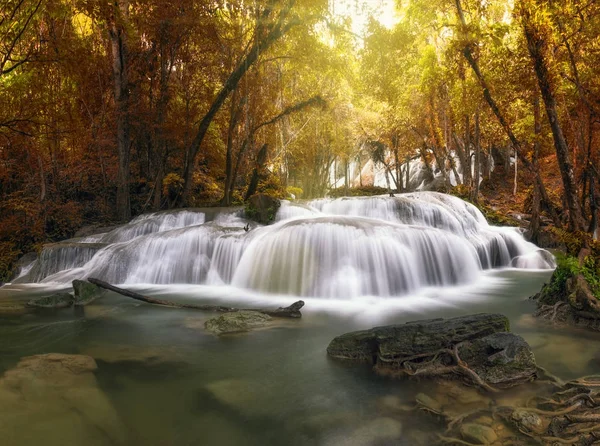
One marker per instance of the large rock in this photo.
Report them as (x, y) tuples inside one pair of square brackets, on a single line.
[(443, 347), (58, 300), (86, 292), (236, 322), (262, 208), (54, 399)]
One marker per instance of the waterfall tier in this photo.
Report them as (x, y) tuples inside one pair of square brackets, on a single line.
[(343, 248)]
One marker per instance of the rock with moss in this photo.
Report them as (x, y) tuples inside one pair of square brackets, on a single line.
[(237, 322), (86, 292), (262, 208), (573, 294), (477, 348), (58, 300)]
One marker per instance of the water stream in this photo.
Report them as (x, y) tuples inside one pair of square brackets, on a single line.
[(356, 262)]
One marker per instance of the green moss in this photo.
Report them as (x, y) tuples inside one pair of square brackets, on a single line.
[(568, 267)]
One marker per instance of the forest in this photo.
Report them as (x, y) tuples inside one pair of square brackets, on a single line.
[(210, 210), (112, 109)]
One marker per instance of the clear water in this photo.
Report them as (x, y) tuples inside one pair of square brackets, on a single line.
[(357, 263), (160, 369)]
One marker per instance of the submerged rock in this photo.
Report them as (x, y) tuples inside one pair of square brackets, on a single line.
[(236, 322), (86, 292), (58, 300), (54, 399), (383, 430), (476, 346), (147, 355), (478, 434)]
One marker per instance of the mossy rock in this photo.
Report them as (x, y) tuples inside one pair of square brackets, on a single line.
[(86, 292), (482, 342), (237, 322), (58, 300), (262, 208)]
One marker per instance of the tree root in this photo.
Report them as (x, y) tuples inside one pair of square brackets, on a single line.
[(433, 367), (590, 418), (556, 413), (452, 440)]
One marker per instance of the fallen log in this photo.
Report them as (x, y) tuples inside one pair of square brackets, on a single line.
[(293, 311)]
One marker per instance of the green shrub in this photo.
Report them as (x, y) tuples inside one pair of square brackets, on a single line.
[(568, 266), (294, 191)]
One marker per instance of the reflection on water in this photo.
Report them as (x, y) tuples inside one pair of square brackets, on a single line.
[(171, 383)]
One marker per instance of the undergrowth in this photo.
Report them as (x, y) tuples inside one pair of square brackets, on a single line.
[(568, 266)]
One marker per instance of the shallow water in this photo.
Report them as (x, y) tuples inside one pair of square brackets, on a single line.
[(171, 383)]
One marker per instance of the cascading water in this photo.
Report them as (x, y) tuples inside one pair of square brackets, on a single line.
[(343, 248)]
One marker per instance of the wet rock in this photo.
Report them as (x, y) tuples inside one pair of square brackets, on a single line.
[(460, 394), (426, 402), (86, 292), (530, 421), (500, 359), (478, 434), (443, 347), (58, 300), (23, 262), (262, 208), (248, 398), (391, 345), (54, 399), (89, 230), (236, 322)]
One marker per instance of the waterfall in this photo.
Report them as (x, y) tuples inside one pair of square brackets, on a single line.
[(343, 248)]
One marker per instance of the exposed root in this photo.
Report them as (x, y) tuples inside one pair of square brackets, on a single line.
[(571, 441), (555, 309), (452, 440), (586, 418), (557, 413), (543, 373)]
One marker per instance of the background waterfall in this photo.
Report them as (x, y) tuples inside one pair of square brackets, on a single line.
[(343, 248)]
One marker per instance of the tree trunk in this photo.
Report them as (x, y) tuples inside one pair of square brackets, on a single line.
[(260, 45), (234, 113), (537, 46), (467, 53), (477, 158), (534, 225), (119, 53), (261, 160), (293, 311)]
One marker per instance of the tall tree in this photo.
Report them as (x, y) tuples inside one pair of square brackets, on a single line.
[(537, 43)]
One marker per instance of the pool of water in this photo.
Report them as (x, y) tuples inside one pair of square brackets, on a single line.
[(172, 383)]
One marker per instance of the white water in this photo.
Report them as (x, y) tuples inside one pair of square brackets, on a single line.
[(338, 249), (421, 177)]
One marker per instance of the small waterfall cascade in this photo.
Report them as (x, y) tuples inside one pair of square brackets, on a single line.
[(343, 248)]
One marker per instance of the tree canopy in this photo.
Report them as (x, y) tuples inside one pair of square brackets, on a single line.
[(116, 108)]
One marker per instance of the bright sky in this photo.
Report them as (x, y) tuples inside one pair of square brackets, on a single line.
[(360, 10)]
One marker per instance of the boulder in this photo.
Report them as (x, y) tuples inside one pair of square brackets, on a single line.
[(262, 208), (58, 300), (86, 292), (478, 434), (476, 346), (54, 399), (236, 322)]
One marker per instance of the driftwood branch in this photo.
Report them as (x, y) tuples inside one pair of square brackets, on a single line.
[(293, 311)]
